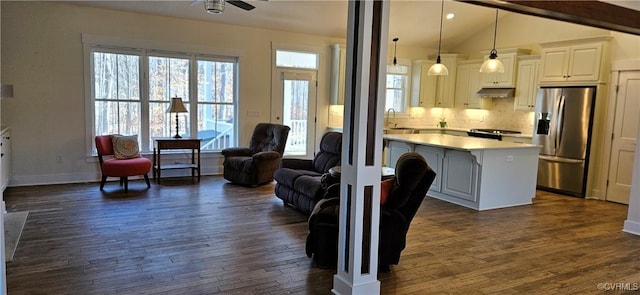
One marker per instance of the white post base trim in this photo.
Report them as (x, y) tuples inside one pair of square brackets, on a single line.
[(632, 227), (344, 287)]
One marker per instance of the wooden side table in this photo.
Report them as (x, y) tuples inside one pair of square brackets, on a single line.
[(160, 144)]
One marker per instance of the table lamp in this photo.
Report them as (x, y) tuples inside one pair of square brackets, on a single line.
[(176, 106)]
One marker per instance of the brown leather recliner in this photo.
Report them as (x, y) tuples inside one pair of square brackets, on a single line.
[(412, 181), (300, 181), (255, 165)]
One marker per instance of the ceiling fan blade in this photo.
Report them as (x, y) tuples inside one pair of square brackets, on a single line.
[(241, 4)]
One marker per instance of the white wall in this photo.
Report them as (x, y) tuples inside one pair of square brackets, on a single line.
[(42, 57)]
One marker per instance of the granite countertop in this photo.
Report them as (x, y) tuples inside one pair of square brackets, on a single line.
[(456, 142), (433, 128)]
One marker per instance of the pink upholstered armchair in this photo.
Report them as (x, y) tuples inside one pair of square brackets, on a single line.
[(123, 162)]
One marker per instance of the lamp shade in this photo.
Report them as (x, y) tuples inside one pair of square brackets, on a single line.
[(492, 65), (6, 90), (176, 106), (438, 69)]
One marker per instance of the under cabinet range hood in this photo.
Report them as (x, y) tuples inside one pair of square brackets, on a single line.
[(496, 92)]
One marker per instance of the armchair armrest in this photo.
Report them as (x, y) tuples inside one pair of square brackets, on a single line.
[(298, 164), (236, 151), (264, 156)]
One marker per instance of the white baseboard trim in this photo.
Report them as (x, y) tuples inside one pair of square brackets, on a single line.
[(47, 179), (632, 227)]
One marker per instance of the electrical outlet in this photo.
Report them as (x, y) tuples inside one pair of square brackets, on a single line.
[(58, 159), (509, 158)]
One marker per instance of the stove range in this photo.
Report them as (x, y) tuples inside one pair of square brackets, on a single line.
[(490, 133)]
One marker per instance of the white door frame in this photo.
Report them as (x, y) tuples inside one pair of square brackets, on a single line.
[(616, 67), (279, 75)]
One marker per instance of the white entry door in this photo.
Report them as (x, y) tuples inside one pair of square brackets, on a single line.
[(294, 105), (625, 130)]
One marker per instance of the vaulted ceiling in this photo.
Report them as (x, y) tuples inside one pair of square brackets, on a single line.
[(416, 23)]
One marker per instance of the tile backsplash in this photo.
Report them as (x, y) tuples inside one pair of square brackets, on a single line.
[(500, 116)]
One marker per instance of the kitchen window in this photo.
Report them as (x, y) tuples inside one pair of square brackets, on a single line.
[(131, 90), (397, 88)]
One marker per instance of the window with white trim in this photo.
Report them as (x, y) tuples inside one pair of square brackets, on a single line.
[(131, 90), (397, 88)]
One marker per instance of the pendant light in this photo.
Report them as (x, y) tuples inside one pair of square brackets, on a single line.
[(493, 65), (439, 69)]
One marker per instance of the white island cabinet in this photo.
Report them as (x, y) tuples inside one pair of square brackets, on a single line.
[(473, 172)]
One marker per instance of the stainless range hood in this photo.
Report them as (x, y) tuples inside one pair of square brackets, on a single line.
[(496, 92)]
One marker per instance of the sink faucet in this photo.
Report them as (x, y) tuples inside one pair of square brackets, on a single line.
[(389, 118)]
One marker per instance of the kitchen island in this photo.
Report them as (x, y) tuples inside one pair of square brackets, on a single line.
[(473, 172)]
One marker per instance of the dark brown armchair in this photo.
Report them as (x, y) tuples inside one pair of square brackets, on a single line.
[(412, 181), (300, 181), (255, 165)]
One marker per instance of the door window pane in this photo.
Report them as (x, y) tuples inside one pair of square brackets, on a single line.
[(296, 115), (294, 59)]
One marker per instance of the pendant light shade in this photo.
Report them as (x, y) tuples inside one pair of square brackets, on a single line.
[(439, 69), (493, 65)]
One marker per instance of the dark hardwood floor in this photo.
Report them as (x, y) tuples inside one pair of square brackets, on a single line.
[(213, 237)]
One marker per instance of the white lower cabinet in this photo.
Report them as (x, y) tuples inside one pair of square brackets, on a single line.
[(456, 171), (460, 175), (395, 149), (481, 178), (434, 159)]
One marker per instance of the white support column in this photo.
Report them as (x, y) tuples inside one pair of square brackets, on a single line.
[(367, 40)]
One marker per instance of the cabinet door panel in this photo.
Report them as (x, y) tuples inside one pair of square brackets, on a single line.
[(584, 64), (434, 159), (526, 86), (460, 175), (554, 64), (396, 149)]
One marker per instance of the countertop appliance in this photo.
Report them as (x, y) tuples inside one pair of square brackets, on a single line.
[(562, 126), (490, 133)]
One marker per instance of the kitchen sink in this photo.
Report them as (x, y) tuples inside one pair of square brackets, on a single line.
[(400, 130)]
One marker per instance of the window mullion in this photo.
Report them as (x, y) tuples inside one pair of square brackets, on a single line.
[(193, 95), (144, 102)]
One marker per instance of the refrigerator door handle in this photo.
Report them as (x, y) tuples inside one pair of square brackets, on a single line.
[(562, 160), (560, 122)]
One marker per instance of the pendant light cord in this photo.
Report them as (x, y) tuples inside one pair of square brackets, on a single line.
[(495, 31), (440, 38)]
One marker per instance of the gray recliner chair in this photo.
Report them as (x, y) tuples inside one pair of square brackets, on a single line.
[(255, 165)]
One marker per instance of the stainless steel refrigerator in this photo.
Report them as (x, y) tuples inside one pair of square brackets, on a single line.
[(563, 120)]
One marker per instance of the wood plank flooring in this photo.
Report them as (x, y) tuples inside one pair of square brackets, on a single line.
[(213, 237)]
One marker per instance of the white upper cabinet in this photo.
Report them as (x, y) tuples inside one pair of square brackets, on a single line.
[(508, 57), (434, 91), (423, 86), (527, 82), (585, 60), (468, 82), (338, 69)]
